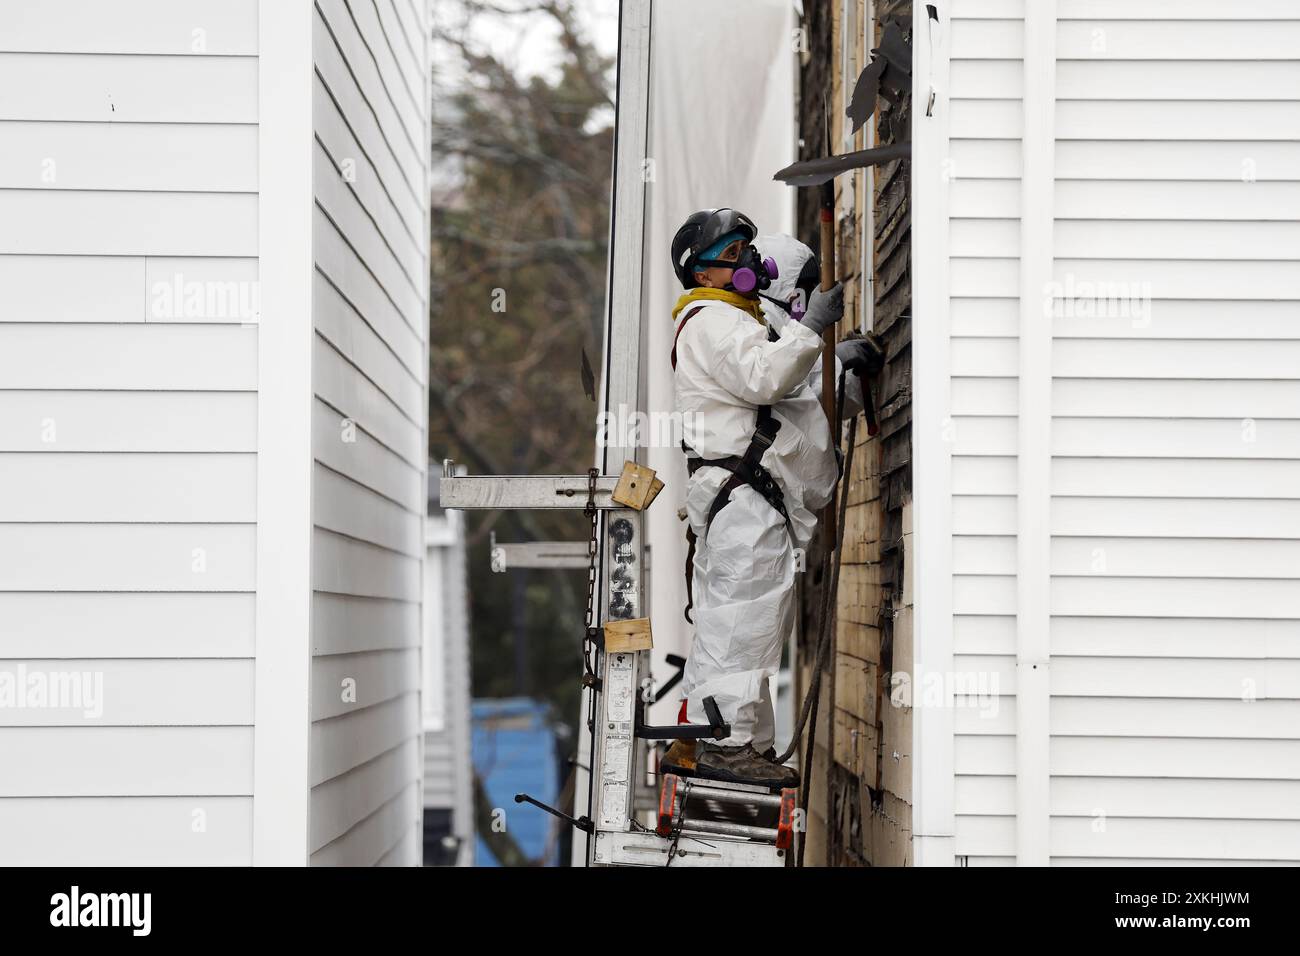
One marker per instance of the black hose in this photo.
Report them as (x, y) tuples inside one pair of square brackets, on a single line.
[(828, 628), (829, 602), (811, 702)]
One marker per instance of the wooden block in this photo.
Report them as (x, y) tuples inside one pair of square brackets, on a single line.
[(656, 486), (622, 637), (635, 487)]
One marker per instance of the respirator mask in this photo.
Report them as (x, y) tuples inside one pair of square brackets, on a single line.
[(751, 272)]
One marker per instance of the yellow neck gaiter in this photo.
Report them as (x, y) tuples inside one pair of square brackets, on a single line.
[(751, 306)]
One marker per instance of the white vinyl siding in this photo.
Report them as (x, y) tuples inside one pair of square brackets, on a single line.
[(128, 426), (1171, 506), (369, 429), (1189, 748), (986, 87)]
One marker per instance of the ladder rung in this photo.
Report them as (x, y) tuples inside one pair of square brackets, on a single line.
[(766, 834), (733, 796)]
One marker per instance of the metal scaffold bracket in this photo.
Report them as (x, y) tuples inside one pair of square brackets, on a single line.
[(523, 492)]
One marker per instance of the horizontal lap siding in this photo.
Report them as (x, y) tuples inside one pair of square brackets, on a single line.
[(1175, 442), (1175, 522), (369, 432), (987, 79), (128, 412)]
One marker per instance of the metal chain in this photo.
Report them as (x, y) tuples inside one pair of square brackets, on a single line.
[(679, 822), (593, 515)]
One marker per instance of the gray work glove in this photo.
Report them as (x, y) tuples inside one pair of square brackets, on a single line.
[(824, 308), (863, 356)]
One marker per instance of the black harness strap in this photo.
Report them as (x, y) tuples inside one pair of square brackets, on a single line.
[(747, 469), (681, 325), (690, 573)]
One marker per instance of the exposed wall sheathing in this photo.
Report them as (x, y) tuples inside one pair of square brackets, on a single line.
[(860, 812)]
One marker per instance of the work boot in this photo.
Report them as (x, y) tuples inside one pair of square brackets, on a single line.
[(680, 758), (743, 765)]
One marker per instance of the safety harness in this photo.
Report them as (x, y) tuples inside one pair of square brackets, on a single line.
[(746, 469)]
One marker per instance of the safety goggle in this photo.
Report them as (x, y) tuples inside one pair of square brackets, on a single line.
[(728, 256)]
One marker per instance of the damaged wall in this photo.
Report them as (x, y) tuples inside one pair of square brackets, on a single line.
[(1105, 488), (369, 432), (860, 811)]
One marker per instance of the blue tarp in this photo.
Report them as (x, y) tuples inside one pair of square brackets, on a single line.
[(514, 751)]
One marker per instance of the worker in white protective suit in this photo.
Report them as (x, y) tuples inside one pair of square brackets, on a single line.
[(762, 464)]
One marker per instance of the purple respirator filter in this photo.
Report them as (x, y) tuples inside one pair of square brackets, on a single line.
[(745, 280)]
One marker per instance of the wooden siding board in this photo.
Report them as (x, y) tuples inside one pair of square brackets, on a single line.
[(127, 88), (174, 27), (63, 624), (137, 693), (340, 385), (127, 761), (340, 266), (128, 157), (127, 831), (347, 683), (348, 800), (126, 557), (341, 625), (359, 736), (103, 222), (357, 98), (366, 843), (369, 433), (357, 512), (50, 421), (363, 459)]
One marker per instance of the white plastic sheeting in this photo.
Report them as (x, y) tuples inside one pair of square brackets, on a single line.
[(722, 109)]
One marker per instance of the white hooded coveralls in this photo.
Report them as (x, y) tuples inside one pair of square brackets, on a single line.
[(744, 563)]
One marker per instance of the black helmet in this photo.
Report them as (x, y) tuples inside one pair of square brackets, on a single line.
[(701, 230)]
